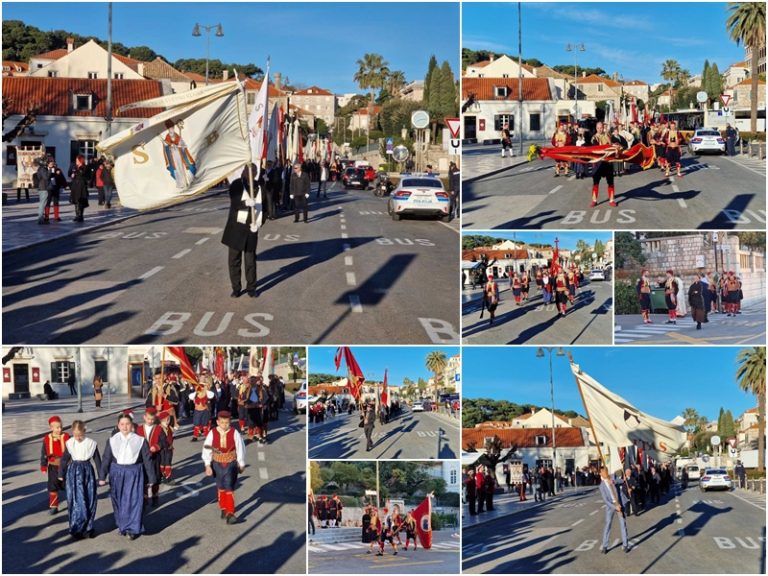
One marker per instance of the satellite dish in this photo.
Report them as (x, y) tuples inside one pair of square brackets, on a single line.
[(400, 153), (701, 97)]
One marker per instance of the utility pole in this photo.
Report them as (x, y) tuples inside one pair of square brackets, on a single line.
[(109, 70), (520, 71)]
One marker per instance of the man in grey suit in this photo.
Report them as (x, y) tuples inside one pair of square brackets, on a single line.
[(614, 506)]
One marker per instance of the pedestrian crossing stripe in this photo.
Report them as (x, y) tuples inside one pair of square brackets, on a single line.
[(337, 547)]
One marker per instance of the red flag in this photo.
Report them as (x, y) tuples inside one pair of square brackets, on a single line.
[(423, 516), (187, 372), (384, 395), (622, 454), (219, 368), (639, 154), (337, 358), (634, 109), (555, 261), (354, 373)]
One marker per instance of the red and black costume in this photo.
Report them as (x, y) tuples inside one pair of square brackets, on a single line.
[(644, 293), (157, 442), (166, 456), (224, 452), (50, 459)]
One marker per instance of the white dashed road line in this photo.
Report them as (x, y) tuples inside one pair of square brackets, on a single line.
[(351, 280), (201, 241), (354, 302), (349, 261), (555, 189), (152, 272), (182, 253)]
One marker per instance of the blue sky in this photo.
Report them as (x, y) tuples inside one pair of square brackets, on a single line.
[(400, 361), (659, 381), (630, 38), (567, 239), (310, 43)]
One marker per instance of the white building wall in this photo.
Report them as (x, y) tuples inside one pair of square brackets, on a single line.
[(90, 57), (40, 358)]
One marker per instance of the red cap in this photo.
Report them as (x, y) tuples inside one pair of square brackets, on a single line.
[(128, 412), (163, 415), (224, 414), (151, 410), (53, 419), (670, 272)]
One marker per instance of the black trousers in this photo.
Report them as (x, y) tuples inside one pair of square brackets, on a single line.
[(299, 205), (604, 169), (236, 258)]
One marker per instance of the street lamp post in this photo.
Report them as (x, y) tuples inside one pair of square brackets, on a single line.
[(540, 354), (219, 33), (575, 48)]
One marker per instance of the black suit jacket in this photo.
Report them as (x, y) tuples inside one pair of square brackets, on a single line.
[(236, 235)]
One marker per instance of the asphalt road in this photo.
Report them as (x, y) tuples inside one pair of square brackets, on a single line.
[(352, 558), (350, 275), (747, 328), (184, 534), (715, 193), (713, 532), (588, 320), (411, 435)]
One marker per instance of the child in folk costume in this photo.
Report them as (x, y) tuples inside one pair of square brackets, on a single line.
[(98, 394), (54, 447), (562, 293), (731, 294), (491, 296), (572, 284), (243, 392), (166, 453), (81, 480), (516, 288), (224, 458), (153, 433), (644, 293), (126, 463), (559, 139), (397, 523), (410, 530), (201, 398), (387, 534), (258, 410), (670, 296), (546, 288)]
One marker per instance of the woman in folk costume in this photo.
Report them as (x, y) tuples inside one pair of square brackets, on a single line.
[(201, 398), (731, 293), (517, 288), (573, 281), (77, 472), (562, 292), (673, 140), (671, 288), (126, 461), (525, 283), (546, 287), (98, 394), (258, 410), (374, 530), (656, 139), (559, 139), (644, 293), (243, 393), (491, 296), (682, 303)]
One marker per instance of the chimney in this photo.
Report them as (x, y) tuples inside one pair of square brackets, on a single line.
[(225, 75), (70, 44), (140, 68), (491, 57), (583, 74), (278, 79)]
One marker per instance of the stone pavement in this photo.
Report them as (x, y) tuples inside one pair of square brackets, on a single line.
[(21, 230), (26, 419), (506, 504)]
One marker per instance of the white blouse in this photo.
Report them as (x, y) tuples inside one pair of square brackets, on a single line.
[(81, 451), (126, 450)]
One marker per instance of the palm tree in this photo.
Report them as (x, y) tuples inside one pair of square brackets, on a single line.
[(691, 419), (670, 70), (436, 363), (751, 376), (395, 82), (746, 25), (371, 75)]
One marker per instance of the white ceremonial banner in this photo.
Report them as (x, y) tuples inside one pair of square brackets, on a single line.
[(196, 143), (618, 423)]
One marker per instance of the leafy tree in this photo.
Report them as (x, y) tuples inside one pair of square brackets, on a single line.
[(473, 241), (431, 67), (143, 53), (315, 477), (316, 378), (670, 71), (436, 362), (372, 71), (752, 239), (421, 384), (746, 25), (751, 377), (691, 420), (628, 252)]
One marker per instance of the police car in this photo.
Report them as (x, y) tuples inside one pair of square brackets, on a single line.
[(420, 195), (707, 140)]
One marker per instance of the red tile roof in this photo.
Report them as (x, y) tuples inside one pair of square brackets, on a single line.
[(595, 79), (53, 54), (364, 111), (481, 64), (52, 96), (635, 83), (128, 61), (313, 91), (255, 85), (523, 437), (484, 88), (748, 81), (520, 254)]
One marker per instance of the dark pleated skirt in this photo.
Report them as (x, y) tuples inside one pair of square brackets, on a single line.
[(81, 496), (127, 493), (645, 301)]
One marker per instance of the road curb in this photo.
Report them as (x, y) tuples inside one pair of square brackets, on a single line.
[(96, 417), (117, 220), (494, 172)]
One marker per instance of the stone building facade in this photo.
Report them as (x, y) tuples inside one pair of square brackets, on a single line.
[(695, 253)]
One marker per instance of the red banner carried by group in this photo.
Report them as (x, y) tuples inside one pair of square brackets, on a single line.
[(638, 154), (354, 373), (384, 395), (423, 516)]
